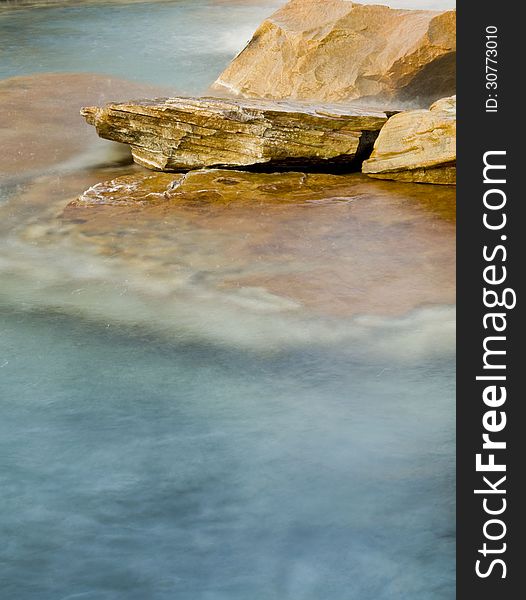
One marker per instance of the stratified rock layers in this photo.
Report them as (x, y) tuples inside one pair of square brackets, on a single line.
[(172, 134), (335, 50), (417, 146)]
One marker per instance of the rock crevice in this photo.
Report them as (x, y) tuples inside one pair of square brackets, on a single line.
[(179, 134)]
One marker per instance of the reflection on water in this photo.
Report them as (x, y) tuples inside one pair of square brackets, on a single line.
[(210, 401)]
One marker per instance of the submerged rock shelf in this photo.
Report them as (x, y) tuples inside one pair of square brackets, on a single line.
[(218, 186), (310, 244)]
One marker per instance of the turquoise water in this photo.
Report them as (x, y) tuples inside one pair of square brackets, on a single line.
[(179, 44), (165, 434), (134, 468)]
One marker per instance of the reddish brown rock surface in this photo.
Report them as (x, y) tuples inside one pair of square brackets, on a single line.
[(328, 244)]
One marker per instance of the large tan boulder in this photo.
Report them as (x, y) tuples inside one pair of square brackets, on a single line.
[(172, 134), (418, 146), (336, 50)]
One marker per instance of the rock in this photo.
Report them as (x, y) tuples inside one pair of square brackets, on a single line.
[(337, 50), (342, 245), (177, 134), (136, 189), (417, 146), (218, 186)]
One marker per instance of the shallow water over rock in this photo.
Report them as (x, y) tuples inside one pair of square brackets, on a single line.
[(45, 132), (215, 399), (303, 246)]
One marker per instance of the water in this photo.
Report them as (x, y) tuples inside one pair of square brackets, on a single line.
[(171, 45), (210, 402), (140, 469), (164, 43)]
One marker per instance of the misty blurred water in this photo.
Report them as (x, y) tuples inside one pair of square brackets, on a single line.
[(133, 468), (181, 44), (178, 44)]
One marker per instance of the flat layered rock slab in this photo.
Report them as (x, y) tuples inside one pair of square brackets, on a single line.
[(179, 134), (417, 146)]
